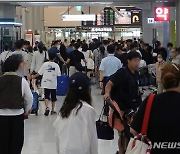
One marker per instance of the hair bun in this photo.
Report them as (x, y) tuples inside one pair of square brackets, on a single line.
[(169, 79)]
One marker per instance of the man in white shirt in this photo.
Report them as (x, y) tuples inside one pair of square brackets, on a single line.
[(6, 54), (109, 66), (175, 54), (50, 71)]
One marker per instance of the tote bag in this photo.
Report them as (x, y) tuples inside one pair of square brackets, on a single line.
[(104, 131), (140, 144)]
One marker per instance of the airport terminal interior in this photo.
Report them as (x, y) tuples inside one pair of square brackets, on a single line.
[(55, 55)]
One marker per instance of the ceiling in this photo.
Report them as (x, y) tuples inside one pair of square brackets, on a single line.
[(81, 2)]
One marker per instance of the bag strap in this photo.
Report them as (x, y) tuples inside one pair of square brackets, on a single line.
[(147, 114), (6, 56)]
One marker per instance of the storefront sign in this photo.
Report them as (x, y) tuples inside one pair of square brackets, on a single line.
[(103, 29), (81, 17), (162, 13)]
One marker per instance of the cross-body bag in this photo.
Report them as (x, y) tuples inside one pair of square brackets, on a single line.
[(2, 62), (140, 144)]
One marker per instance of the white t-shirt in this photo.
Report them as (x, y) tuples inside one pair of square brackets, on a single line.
[(77, 134), (5, 55), (50, 72)]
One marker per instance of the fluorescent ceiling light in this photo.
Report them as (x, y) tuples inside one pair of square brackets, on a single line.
[(81, 17), (10, 23)]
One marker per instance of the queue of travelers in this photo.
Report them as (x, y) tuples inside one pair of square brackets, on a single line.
[(116, 68)]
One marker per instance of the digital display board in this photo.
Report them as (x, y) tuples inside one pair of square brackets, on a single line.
[(128, 16), (104, 18)]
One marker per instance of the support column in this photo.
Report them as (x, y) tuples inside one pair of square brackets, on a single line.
[(177, 23)]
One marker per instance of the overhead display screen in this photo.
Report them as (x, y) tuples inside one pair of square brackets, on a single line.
[(104, 18), (128, 16)]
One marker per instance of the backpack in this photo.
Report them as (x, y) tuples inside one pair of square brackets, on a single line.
[(115, 117)]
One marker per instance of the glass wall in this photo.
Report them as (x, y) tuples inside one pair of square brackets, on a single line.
[(9, 35)]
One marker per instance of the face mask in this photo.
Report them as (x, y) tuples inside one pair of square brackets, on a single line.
[(160, 59)]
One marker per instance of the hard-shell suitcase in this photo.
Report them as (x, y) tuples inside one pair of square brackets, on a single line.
[(63, 82), (35, 105)]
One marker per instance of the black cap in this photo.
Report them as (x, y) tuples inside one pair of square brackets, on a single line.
[(79, 80)]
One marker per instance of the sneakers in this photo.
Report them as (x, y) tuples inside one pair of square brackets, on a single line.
[(53, 113), (47, 111)]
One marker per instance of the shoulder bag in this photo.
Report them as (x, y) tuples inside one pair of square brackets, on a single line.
[(140, 144), (104, 131)]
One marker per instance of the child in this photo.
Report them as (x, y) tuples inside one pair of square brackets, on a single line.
[(50, 71)]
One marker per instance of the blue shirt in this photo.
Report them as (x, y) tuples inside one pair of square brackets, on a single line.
[(110, 65)]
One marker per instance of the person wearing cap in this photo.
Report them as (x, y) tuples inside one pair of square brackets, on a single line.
[(38, 59), (75, 128), (123, 88), (56, 50)]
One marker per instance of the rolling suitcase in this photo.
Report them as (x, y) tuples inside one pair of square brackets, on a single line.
[(35, 105), (63, 82)]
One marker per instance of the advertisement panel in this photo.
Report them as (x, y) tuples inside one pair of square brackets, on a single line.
[(162, 13)]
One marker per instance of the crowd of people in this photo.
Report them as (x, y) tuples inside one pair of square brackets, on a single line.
[(116, 68)]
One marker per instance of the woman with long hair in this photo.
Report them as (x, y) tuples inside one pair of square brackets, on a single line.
[(38, 60), (75, 127)]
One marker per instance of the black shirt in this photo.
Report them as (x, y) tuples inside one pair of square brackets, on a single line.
[(125, 89), (75, 57), (148, 58), (122, 57), (164, 122)]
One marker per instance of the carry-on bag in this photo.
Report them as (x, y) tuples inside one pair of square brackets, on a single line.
[(140, 144), (35, 105), (63, 83)]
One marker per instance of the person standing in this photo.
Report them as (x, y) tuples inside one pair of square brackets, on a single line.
[(19, 50), (123, 88), (56, 50), (159, 65), (163, 127), (108, 66), (50, 71), (39, 57), (175, 54), (169, 48), (15, 105), (75, 126), (6, 54), (74, 60)]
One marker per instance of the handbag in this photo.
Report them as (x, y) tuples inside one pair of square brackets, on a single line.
[(140, 144), (104, 131)]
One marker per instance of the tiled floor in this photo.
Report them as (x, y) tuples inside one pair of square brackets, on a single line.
[(39, 131)]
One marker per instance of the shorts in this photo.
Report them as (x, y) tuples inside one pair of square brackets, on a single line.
[(50, 94)]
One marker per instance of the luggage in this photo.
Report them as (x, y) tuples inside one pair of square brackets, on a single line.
[(35, 105), (63, 82)]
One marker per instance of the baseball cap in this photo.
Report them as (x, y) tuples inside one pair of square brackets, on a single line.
[(79, 80)]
